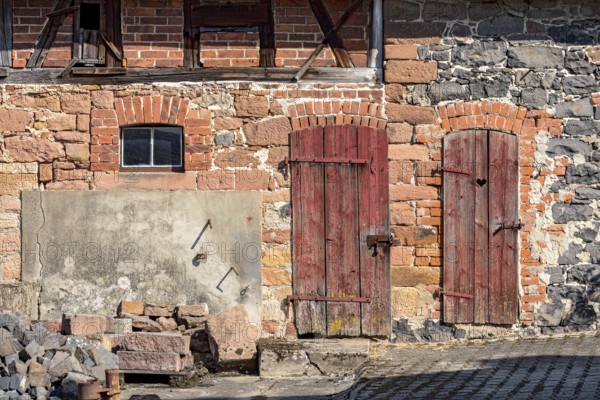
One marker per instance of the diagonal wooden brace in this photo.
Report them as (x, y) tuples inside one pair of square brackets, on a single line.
[(335, 42)]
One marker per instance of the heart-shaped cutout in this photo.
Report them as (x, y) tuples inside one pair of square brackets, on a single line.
[(481, 182)]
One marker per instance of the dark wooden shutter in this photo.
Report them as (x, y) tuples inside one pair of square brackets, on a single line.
[(504, 181), (480, 260), (6, 33)]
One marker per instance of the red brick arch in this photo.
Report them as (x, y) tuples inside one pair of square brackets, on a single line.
[(304, 114), (150, 110)]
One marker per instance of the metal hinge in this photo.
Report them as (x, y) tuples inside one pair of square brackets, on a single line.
[(333, 299), (515, 225)]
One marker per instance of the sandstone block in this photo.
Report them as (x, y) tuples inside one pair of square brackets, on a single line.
[(192, 322), (142, 323), (62, 122), (38, 375), (166, 323), (77, 152), (415, 235), (413, 152), (156, 342), (131, 307), (86, 324), (76, 103), (233, 339), (251, 106), (158, 310), (413, 276), (15, 120), (33, 149), (397, 71), (193, 310), (149, 361), (122, 326), (272, 131), (103, 99), (13, 183), (415, 115), (408, 192)]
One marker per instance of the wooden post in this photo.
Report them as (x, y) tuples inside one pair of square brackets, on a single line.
[(6, 33)]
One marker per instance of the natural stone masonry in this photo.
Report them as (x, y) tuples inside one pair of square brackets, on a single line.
[(527, 68)]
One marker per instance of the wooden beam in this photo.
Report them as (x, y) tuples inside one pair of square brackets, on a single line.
[(111, 46), (267, 40), (113, 31), (96, 71), (375, 59), (335, 42), (321, 46), (148, 75), (63, 11), (47, 36), (188, 39), (6, 33), (254, 14)]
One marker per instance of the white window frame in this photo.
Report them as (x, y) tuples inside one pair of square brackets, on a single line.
[(151, 165)]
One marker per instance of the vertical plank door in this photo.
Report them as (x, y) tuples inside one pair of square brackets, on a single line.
[(308, 200), (374, 220), (503, 257), (459, 225)]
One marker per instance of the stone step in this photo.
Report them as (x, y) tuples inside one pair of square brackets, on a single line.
[(296, 358)]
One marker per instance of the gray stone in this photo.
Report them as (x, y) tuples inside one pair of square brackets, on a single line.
[(285, 360), (579, 84), (62, 363), (32, 350), (587, 234), (535, 57), (104, 358), (569, 257), (495, 86), (69, 385), (575, 63), (582, 128), (558, 185), (534, 98), (550, 314), (54, 341), (529, 79), (7, 347), (563, 213), (582, 314), (19, 383), (594, 252), (585, 193), (596, 112), (412, 30), (586, 274), (570, 35), (460, 30), (4, 383), (434, 331), (501, 25), (567, 147), (39, 393), (579, 108), (438, 11), (17, 367), (446, 91), (402, 10), (225, 139), (479, 54), (555, 275), (583, 173), (479, 11)]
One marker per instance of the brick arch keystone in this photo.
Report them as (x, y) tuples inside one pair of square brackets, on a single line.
[(309, 113)]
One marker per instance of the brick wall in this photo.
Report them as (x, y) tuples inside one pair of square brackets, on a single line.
[(153, 35)]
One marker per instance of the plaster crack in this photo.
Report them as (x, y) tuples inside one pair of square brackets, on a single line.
[(314, 364)]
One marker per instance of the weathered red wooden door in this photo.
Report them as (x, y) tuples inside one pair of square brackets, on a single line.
[(340, 199), (481, 177)]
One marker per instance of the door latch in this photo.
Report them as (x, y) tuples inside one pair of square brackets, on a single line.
[(515, 225), (376, 241)]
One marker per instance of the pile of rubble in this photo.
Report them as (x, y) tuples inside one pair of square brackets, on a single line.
[(38, 363), (46, 360)]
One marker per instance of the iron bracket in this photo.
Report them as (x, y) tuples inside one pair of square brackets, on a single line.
[(332, 299), (376, 241)]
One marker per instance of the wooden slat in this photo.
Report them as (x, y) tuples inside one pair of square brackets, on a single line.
[(335, 42), (113, 48), (308, 231), (63, 11), (480, 266), (113, 33), (459, 199), (230, 15), (96, 71), (267, 39), (341, 231), (373, 211), (6, 33), (47, 36), (504, 183)]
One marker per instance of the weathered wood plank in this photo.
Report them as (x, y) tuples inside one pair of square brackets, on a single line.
[(308, 198), (146, 75), (47, 36), (373, 211), (113, 48), (188, 40), (341, 231), (480, 266), (503, 258), (459, 198), (225, 15), (267, 39), (113, 32), (335, 42), (6, 33), (95, 71)]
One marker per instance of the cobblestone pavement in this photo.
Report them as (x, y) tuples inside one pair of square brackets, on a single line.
[(550, 368)]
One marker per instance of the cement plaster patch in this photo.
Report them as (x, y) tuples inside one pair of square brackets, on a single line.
[(89, 250)]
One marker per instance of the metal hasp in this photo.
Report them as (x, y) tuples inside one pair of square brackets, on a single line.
[(515, 225), (455, 170), (455, 294), (376, 241), (325, 298)]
